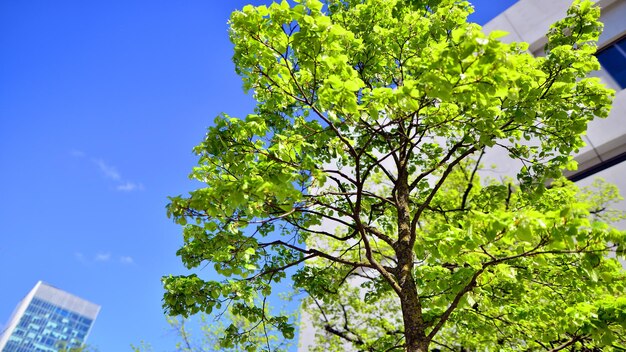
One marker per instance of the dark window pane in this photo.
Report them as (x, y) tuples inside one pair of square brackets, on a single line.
[(613, 59), (622, 44)]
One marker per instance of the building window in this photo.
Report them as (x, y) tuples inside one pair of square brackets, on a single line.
[(613, 60)]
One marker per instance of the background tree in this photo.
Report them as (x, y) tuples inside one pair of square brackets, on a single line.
[(205, 334), (371, 121), (62, 347)]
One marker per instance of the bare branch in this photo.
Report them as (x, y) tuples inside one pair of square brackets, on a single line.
[(566, 344)]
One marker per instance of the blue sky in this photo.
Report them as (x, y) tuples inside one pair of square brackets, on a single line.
[(101, 103)]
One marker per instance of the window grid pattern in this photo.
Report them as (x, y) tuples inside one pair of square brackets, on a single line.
[(44, 326)]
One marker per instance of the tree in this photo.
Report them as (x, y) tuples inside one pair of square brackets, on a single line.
[(360, 166), (209, 337)]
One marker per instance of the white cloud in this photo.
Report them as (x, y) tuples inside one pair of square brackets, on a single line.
[(129, 186), (108, 170), (102, 257), (127, 260)]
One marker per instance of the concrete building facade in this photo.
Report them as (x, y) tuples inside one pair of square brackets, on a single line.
[(46, 319)]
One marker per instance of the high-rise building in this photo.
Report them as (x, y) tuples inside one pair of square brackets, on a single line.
[(46, 319)]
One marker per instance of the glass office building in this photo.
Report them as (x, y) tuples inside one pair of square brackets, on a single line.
[(46, 319)]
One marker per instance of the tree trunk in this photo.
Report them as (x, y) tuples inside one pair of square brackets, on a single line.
[(414, 327)]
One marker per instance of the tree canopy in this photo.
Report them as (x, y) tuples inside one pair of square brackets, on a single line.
[(357, 178)]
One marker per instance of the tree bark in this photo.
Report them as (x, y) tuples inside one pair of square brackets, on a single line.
[(414, 327)]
